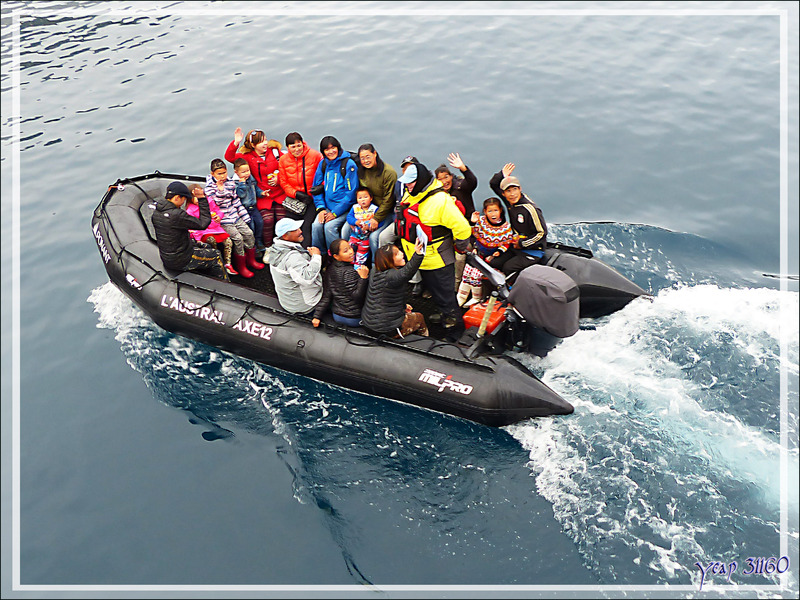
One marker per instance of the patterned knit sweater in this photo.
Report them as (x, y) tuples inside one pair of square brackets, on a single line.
[(490, 238)]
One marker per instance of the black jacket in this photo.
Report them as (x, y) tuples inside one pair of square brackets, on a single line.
[(462, 189), (385, 306), (345, 287), (172, 225), (525, 217)]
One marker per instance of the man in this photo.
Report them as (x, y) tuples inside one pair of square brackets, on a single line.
[(179, 252), (527, 222), (296, 171), (427, 207), (296, 271)]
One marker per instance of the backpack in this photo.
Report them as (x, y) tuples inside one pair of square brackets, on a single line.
[(343, 167), (407, 219), (320, 187)]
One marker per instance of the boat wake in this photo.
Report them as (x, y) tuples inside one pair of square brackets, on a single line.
[(346, 449), (221, 392), (672, 456)]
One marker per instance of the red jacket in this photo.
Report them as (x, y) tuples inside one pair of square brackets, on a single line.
[(290, 168), (260, 167)]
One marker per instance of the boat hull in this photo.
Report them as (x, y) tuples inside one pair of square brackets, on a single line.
[(603, 289), (424, 372)]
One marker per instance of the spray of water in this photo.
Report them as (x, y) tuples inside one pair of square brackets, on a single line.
[(665, 449)]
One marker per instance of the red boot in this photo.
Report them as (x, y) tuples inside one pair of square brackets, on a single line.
[(252, 262), (239, 263)]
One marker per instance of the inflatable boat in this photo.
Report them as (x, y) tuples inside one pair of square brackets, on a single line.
[(467, 378)]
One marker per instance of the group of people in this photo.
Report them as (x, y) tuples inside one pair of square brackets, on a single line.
[(322, 219)]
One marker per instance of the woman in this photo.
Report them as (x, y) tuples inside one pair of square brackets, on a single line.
[(461, 189), (335, 184), (296, 170), (343, 285), (262, 155), (380, 179), (385, 310)]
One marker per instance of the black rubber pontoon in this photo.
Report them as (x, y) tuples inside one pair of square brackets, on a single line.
[(494, 390)]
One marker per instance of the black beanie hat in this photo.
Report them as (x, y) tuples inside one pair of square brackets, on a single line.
[(176, 188)]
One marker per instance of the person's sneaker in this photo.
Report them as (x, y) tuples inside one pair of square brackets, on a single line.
[(265, 258), (449, 322), (470, 302), (231, 271), (435, 318)]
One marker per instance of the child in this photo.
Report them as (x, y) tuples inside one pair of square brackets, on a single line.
[(248, 191), (214, 233), (493, 236), (235, 219), (358, 218)]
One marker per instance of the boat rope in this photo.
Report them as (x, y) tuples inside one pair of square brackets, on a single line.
[(137, 186), (247, 313), (209, 302), (406, 344), (124, 267)]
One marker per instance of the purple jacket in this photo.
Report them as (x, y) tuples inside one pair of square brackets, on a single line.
[(227, 199)]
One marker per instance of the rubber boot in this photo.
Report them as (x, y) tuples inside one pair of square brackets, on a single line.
[(463, 293), (250, 259), (227, 250), (477, 292), (240, 264)]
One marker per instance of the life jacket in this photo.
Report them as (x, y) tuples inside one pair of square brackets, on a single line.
[(407, 219)]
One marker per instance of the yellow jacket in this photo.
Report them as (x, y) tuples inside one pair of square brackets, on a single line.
[(438, 209)]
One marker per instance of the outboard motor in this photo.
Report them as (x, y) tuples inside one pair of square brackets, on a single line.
[(545, 305), (517, 330), (549, 300)]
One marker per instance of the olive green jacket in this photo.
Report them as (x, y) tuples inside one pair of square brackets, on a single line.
[(381, 184)]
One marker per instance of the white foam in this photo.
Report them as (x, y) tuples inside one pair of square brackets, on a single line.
[(179, 357), (115, 310), (629, 359), (632, 394), (163, 357)]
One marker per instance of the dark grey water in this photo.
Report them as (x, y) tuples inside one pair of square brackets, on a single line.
[(149, 459)]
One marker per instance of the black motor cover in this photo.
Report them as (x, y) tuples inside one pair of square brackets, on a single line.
[(548, 299)]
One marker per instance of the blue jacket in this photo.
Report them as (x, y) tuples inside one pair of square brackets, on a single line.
[(248, 191), (338, 194)]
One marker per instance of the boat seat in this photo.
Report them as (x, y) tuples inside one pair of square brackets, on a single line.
[(146, 211)]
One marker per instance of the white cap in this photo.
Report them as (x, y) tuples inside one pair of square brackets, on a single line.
[(284, 226), (409, 175)]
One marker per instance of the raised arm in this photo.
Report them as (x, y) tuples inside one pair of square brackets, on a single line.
[(494, 182)]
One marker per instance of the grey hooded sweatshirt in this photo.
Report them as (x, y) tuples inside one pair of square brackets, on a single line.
[(297, 276)]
